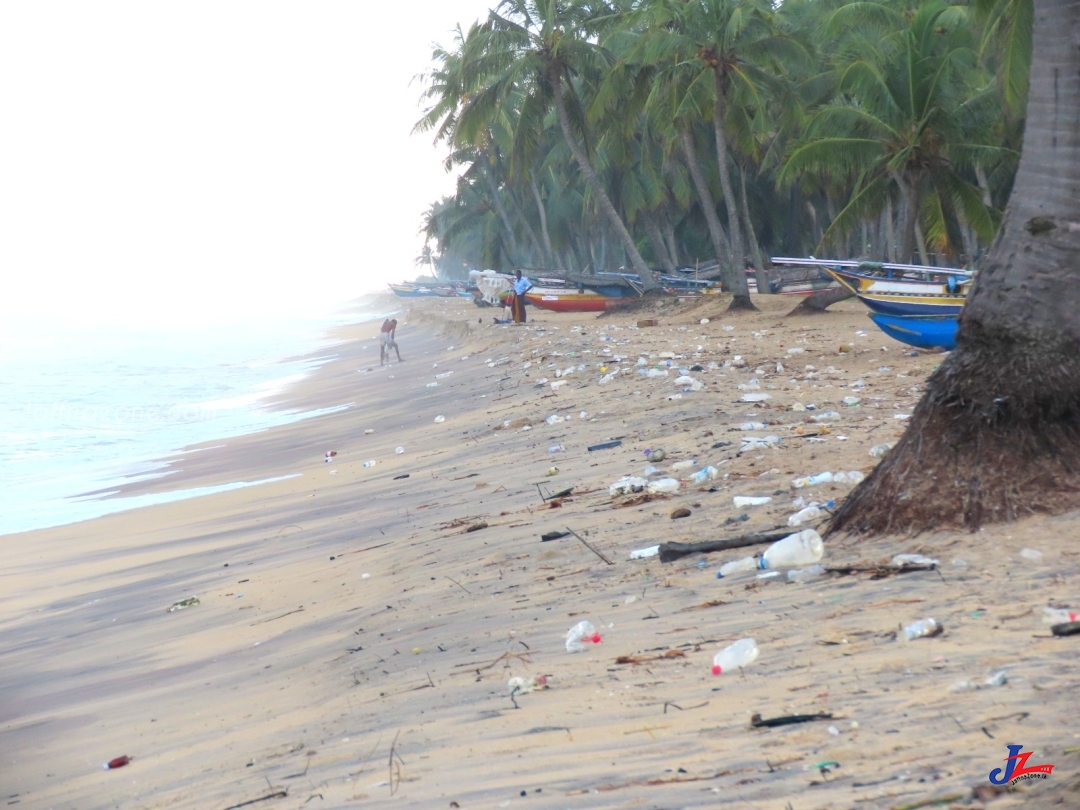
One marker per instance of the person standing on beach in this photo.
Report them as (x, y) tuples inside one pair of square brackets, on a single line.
[(517, 304), (387, 342)]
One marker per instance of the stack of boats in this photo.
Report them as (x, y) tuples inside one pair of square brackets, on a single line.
[(915, 304)]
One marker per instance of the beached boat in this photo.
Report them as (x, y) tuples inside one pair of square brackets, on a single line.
[(915, 304), (920, 331), (567, 300), (412, 290)]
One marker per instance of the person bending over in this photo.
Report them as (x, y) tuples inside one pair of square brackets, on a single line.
[(387, 341)]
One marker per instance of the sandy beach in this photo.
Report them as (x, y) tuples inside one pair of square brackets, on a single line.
[(357, 626)]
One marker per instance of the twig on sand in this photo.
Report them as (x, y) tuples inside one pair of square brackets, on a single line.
[(459, 585), (395, 767), (277, 795), (673, 551), (591, 548)]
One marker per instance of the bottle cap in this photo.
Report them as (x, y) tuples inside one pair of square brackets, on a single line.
[(716, 669)]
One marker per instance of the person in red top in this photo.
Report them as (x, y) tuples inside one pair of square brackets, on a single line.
[(387, 342)]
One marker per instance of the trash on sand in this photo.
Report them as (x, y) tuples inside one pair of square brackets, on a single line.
[(399, 450), (522, 686), (1031, 554), (757, 722), (628, 484), (369, 431), (879, 450), (399, 477), (684, 465), (545, 538), (794, 551), (656, 456), (369, 463), (663, 485), (803, 515), (806, 574), (581, 634), (644, 322), (191, 601), (758, 443), (554, 419), (552, 471), (1067, 629), (606, 445), (753, 426), (330, 454), (926, 628), (681, 512), (912, 559), (752, 397), (740, 654), (642, 553), (118, 762), (827, 416), (750, 500), (737, 567), (1059, 615), (440, 419), (709, 473)]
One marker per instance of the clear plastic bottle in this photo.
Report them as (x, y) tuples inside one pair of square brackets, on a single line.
[(1060, 616), (805, 574), (709, 473), (664, 485), (740, 654), (556, 448), (753, 426), (879, 450), (924, 628), (750, 500), (827, 416), (370, 463), (794, 551), (737, 567), (581, 635), (803, 515), (812, 480)]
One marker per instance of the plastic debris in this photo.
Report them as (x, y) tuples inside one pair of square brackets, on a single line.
[(752, 397), (926, 628), (191, 601), (643, 553), (329, 455), (912, 559), (580, 635), (117, 762), (1031, 554), (750, 500), (627, 485), (879, 450), (740, 654), (705, 474), (663, 485), (522, 686), (440, 419), (399, 450)]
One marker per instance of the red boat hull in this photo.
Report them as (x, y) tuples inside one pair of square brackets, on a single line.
[(567, 301)]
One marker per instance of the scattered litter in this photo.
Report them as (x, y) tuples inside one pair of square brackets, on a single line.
[(753, 426), (605, 445), (851, 402), (757, 722), (750, 500), (926, 628), (1069, 629), (579, 635), (912, 559), (663, 485), (118, 762), (369, 431), (329, 455), (683, 465), (627, 485), (806, 574), (1031, 554), (399, 450), (440, 419), (369, 463), (656, 456), (879, 450), (399, 477), (547, 538), (191, 601), (755, 397), (1060, 616), (740, 654), (554, 419), (825, 416), (758, 442), (709, 473), (522, 686), (642, 553), (552, 471)]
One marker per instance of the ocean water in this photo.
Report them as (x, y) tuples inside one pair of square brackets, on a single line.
[(84, 410)]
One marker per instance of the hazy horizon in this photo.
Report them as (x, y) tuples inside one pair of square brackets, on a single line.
[(167, 164)]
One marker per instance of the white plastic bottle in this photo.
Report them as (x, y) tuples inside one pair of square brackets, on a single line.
[(803, 515), (924, 628), (737, 567), (581, 635), (740, 654), (794, 551), (709, 473), (664, 485), (750, 500), (1060, 616)]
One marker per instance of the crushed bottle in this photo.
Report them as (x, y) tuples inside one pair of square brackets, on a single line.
[(580, 635), (740, 654)]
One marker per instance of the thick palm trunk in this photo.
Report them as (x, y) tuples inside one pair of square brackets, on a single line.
[(648, 280), (997, 435), (739, 288), (708, 205)]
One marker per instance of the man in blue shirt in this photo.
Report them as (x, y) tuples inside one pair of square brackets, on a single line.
[(517, 304)]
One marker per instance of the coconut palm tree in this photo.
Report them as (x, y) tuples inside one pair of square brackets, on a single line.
[(997, 434)]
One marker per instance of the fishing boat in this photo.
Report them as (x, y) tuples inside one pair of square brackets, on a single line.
[(561, 299), (412, 290), (920, 331), (914, 304)]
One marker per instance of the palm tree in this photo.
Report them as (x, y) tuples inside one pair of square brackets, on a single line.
[(545, 50), (997, 434), (906, 121)]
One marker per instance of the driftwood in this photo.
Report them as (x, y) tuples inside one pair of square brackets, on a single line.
[(673, 551), (818, 301), (757, 722), (1067, 629)]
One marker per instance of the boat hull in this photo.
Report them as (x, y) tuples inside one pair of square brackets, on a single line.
[(567, 300), (913, 304), (922, 332)]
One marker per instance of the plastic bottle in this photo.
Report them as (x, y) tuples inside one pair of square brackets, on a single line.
[(924, 628), (753, 426), (805, 574), (826, 416), (118, 762), (440, 419), (740, 654), (795, 550), (737, 567), (812, 480), (805, 514), (554, 419), (664, 485), (556, 448), (369, 463), (1060, 616), (709, 473), (750, 500), (683, 465), (852, 477), (581, 634), (399, 450), (879, 450)]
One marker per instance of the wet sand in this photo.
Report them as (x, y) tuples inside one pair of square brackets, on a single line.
[(353, 640)]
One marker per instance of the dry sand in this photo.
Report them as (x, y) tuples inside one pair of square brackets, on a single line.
[(353, 641)]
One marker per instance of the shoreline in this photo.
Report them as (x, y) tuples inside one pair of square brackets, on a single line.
[(350, 609)]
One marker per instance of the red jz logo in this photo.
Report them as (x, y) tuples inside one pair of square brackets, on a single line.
[(1016, 767)]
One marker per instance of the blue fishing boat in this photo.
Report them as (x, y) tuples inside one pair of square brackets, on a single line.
[(920, 331), (913, 304)]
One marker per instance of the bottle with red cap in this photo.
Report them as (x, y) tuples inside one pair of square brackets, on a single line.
[(580, 636), (740, 654)]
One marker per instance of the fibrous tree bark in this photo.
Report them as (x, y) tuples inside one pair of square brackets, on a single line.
[(996, 437)]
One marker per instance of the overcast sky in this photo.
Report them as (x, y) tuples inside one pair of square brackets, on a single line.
[(184, 160)]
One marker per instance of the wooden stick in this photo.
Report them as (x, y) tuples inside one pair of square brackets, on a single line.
[(281, 794), (670, 552), (589, 547)]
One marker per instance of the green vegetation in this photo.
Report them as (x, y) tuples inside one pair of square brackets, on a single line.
[(661, 133)]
